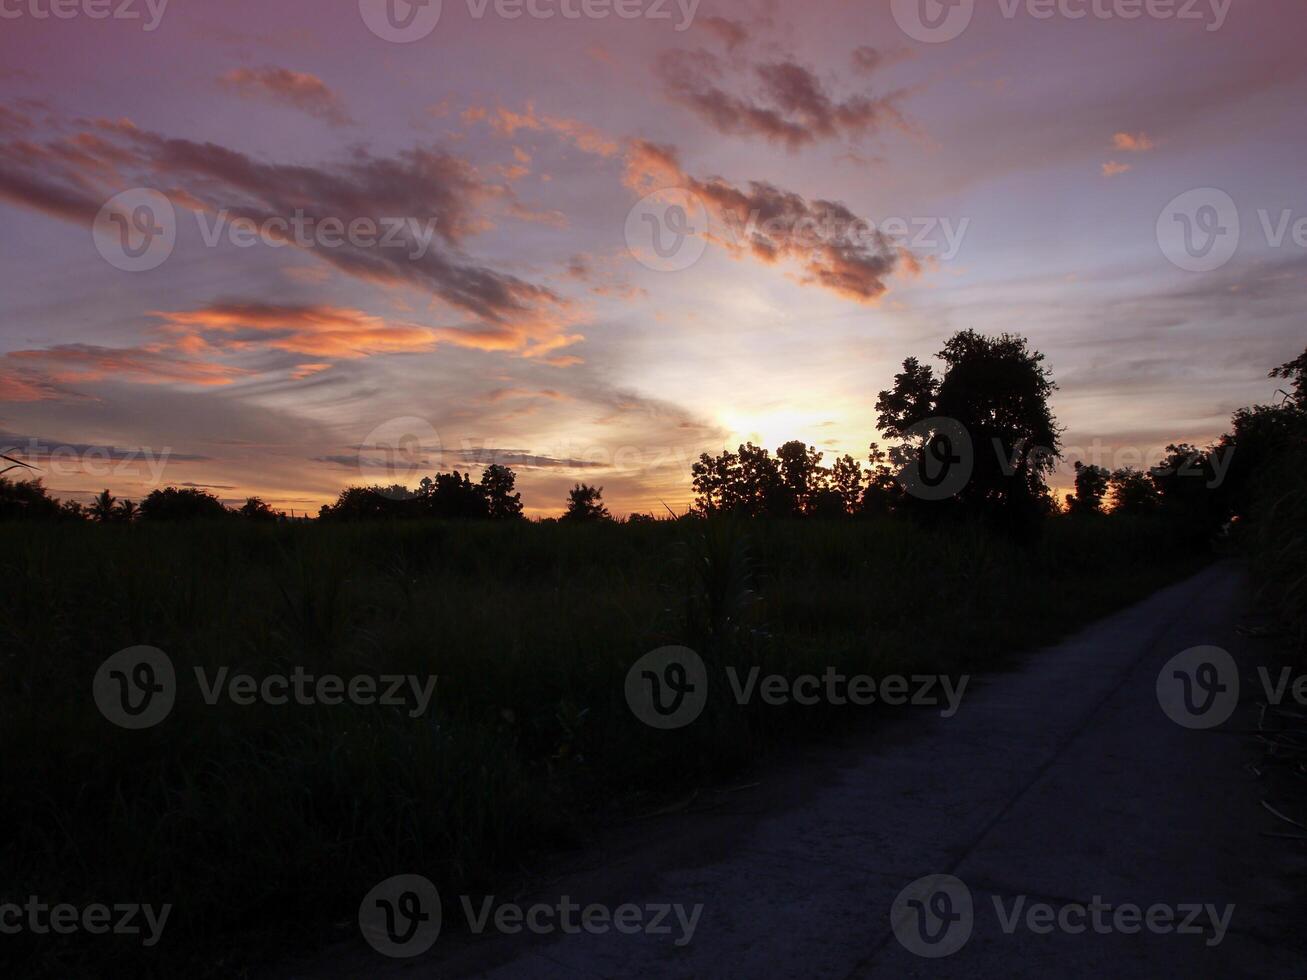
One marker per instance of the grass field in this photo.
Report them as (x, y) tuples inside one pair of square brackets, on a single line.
[(264, 825)]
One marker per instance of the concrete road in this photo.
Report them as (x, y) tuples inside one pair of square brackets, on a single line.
[(1058, 800)]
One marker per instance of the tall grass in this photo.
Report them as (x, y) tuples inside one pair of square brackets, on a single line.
[(264, 825)]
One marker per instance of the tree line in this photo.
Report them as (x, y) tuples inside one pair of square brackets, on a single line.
[(975, 440)]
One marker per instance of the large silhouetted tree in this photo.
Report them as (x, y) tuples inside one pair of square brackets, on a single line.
[(1091, 488), (586, 503), (181, 503), (997, 389), (497, 487)]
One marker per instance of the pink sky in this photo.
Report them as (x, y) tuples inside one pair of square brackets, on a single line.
[(1021, 176)]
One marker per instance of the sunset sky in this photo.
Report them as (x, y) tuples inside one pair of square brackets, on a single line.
[(1019, 174)]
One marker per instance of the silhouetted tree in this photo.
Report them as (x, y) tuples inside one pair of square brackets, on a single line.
[(254, 509), (883, 493), (1133, 492), (997, 389), (846, 481), (1091, 488), (181, 504), (801, 476), (497, 486), (28, 500), (585, 503), (102, 508), (452, 496), (127, 511)]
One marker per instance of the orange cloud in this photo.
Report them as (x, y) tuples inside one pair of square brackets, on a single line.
[(1114, 169), (297, 89), (316, 330), (79, 363), (506, 123), (771, 224), (1133, 142)]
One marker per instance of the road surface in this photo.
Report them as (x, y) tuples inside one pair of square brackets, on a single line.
[(1058, 788)]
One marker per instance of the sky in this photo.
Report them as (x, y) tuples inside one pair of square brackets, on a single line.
[(277, 249)]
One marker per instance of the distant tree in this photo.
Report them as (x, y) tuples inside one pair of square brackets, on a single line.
[(883, 493), (254, 509), (127, 511), (1133, 492), (181, 504), (1262, 438), (452, 496), (752, 482), (1295, 372), (1091, 487), (586, 503), (28, 500), (102, 509), (362, 503), (846, 480), (497, 488), (997, 390), (802, 477), (640, 519)]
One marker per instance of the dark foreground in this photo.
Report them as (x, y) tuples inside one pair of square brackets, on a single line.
[(1055, 785)]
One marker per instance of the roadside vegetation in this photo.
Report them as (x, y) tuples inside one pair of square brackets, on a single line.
[(263, 824)]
